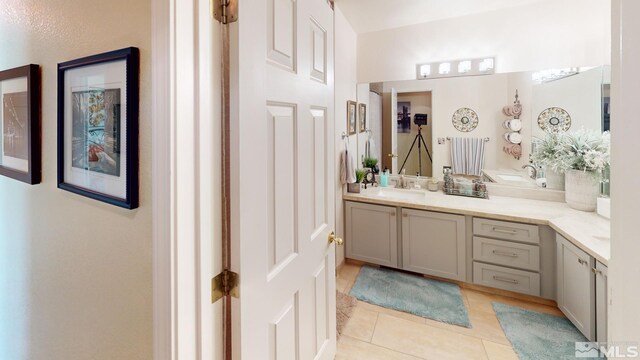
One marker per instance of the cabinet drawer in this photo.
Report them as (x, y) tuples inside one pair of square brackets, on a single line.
[(506, 253), (520, 281), (506, 230)]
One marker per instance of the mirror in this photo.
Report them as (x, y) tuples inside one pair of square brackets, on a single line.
[(410, 123)]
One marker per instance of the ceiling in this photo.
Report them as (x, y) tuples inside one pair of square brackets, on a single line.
[(374, 15)]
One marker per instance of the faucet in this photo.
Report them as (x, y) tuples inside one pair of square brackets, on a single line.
[(535, 171), (402, 182)]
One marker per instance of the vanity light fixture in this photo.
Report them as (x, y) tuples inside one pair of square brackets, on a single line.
[(425, 70), (553, 74), (444, 68), (466, 67), (486, 65)]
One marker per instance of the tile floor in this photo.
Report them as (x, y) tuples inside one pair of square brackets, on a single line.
[(377, 333)]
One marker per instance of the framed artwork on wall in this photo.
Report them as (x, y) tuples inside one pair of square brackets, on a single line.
[(20, 144), (351, 117), (98, 105), (362, 115)]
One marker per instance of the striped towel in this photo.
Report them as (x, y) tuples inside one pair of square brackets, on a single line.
[(467, 156)]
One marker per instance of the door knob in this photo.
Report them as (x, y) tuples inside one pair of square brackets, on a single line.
[(333, 238)]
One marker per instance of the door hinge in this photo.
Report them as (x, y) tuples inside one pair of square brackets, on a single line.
[(225, 11), (224, 284)]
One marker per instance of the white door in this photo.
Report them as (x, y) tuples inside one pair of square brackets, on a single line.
[(282, 180), (394, 131)]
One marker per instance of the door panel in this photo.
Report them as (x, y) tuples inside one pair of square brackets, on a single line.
[(282, 196)]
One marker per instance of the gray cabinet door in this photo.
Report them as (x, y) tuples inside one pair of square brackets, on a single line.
[(601, 302), (372, 233), (434, 244), (576, 286)]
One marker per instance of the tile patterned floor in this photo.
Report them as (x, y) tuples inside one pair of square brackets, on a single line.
[(377, 333)]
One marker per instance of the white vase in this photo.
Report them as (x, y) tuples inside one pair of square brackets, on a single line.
[(555, 180), (581, 190)]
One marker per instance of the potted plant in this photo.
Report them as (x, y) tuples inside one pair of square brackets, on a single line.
[(583, 156), (545, 154), (355, 187), (372, 164)]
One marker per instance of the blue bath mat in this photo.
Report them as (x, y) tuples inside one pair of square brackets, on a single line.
[(432, 299), (538, 336)]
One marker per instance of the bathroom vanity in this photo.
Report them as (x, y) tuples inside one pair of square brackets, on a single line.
[(532, 247)]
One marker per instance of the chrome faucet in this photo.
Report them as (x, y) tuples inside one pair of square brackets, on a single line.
[(535, 171), (402, 182)]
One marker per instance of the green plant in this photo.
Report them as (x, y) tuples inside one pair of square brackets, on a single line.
[(370, 162), (584, 150), (360, 173)]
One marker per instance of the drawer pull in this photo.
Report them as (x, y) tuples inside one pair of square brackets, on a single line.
[(583, 262), (504, 253), (393, 214), (504, 231), (503, 279), (596, 271)]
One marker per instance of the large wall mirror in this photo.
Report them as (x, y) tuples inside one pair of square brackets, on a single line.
[(411, 123)]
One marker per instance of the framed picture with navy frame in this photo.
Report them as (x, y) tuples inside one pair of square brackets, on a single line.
[(20, 143), (98, 109)]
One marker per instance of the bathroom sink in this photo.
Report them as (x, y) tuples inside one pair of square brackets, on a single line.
[(399, 194), (507, 177)]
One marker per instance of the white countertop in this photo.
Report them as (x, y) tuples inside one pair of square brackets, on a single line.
[(587, 230)]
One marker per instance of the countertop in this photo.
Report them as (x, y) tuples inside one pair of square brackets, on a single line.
[(587, 230)]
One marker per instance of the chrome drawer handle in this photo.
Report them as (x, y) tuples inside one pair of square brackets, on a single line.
[(583, 262), (504, 253), (504, 231), (499, 278)]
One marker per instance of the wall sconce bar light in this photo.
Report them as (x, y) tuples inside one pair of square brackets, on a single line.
[(465, 67)]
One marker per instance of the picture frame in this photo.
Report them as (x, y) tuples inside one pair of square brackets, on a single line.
[(362, 116), (351, 117), (20, 123), (98, 125)]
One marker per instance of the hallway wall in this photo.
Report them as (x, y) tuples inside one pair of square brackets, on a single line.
[(75, 274)]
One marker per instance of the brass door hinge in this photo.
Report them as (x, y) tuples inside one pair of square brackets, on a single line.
[(225, 11), (224, 284)]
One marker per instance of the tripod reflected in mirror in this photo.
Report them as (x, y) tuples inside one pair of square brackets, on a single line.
[(420, 120)]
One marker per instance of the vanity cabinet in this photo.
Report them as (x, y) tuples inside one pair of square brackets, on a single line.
[(576, 286), (434, 244), (371, 232), (602, 299)]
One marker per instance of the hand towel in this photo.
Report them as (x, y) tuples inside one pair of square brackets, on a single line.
[(467, 156), (347, 168)]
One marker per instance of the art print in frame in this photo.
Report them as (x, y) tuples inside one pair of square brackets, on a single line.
[(404, 117), (351, 117), (20, 124), (98, 105), (362, 115)]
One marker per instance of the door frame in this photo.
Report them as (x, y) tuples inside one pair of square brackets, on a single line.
[(183, 245)]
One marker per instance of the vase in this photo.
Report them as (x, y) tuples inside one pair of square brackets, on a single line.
[(353, 188), (555, 180), (581, 189)]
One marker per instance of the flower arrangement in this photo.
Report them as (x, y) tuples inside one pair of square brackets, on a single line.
[(584, 150)]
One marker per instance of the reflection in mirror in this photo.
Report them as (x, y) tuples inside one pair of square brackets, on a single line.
[(571, 101)]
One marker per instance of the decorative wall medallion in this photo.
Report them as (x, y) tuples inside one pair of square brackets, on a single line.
[(465, 119), (554, 120)]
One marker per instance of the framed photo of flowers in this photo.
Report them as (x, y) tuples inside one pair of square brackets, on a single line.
[(98, 105), (20, 144), (352, 118), (362, 115)]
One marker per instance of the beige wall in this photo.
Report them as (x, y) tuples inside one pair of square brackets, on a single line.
[(624, 267), (345, 89), (75, 274), (543, 35)]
